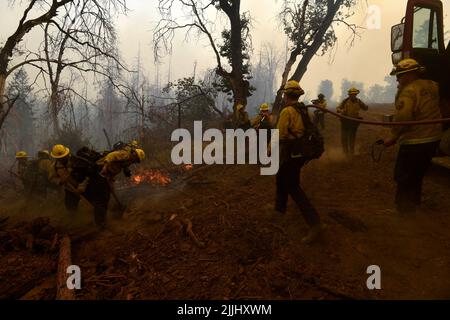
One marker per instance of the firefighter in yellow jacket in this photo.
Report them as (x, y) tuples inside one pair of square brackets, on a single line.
[(119, 161), (23, 163), (44, 168), (80, 179), (290, 126), (263, 121), (350, 107), (417, 99), (319, 115)]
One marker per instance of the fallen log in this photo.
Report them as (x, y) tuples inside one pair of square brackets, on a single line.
[(65, 260)]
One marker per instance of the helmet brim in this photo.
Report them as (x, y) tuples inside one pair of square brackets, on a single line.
[(419, 69), (65, 154)]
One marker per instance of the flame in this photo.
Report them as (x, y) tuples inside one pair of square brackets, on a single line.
[(152, 177)]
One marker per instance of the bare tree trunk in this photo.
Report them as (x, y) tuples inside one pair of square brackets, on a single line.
[(317, 43), (284, 79), (2, 92), (54, 110), (308, 54)]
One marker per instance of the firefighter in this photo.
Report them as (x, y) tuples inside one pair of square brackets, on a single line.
[(119, 161), (291, 127), (417, 99), (264, 119), (23, 163), (242, 119), (350, 107), (319, 116), (80, 178), (43, 167)]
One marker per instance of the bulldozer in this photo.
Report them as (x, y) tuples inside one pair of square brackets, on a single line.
[(420, 36)]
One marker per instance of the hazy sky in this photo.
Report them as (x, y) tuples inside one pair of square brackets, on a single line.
[(369, 60)]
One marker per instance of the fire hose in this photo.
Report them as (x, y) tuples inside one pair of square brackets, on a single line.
[(382, 123), (377, 157)]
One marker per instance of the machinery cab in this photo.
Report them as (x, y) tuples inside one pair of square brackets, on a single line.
[(420, 36)]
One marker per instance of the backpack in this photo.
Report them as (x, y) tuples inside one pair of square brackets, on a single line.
[(311, 144), (84, 163), (89, 154)]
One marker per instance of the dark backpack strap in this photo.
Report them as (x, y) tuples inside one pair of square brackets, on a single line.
[(303, 111)]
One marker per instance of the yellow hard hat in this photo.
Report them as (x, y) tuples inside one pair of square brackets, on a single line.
[(21, 155), (407, 65), (353, 91), (141, 154), (59, 151), (240, 107), (134, 143), (264, 107), (293, 87)]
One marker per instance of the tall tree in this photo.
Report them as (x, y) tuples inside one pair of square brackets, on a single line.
[(20, 124), (52, 13), (235, 40), (264, 75), (309, 26)]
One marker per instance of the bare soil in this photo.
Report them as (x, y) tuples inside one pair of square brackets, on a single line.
[(248, 253)]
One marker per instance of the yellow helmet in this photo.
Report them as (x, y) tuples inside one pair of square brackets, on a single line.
[(240, 107), (264, 107), (407, 65), (141, 154), (353, 91), (134, 143), (21, 155), (293, 87), (59, 151)]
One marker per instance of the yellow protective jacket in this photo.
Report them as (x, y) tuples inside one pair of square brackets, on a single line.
[(351, 108), (45, 167), (115, 162), (290, 124), (22, 167), (257, 120), (418, 100), (321, 103)]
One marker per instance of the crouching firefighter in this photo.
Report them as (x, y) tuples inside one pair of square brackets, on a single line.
[(116, 162), (294, 124), (80, 178)]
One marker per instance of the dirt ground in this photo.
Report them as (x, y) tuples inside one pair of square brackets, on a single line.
[(246, 252)]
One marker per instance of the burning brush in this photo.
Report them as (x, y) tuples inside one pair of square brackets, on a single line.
[(152, 176)]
